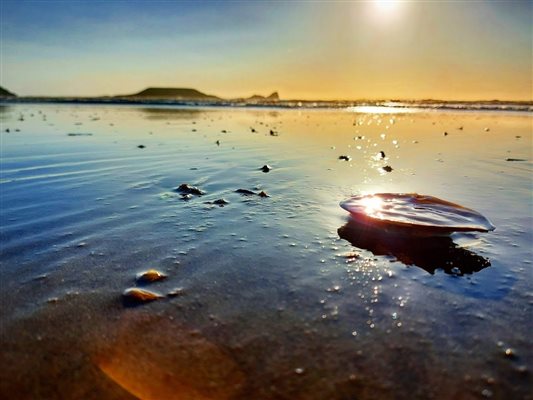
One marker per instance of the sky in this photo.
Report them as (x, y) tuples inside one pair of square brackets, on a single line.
[(377, 49)]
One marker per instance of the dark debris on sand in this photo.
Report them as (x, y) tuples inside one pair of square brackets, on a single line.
[(186, 189)]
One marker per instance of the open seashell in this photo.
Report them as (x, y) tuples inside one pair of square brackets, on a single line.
[(414, 214)]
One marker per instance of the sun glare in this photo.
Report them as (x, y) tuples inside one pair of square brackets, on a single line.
[(372, 205), (387, 5)]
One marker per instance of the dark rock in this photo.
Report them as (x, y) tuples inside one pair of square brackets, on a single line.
[(387, 168), (382, 154), (345, 158), (218, 202), (266, 168), (515, 159), (186, 189), (245, 192), (262, 193), (141, 146)]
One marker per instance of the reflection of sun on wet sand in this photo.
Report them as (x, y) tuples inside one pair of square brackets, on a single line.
[(155, 358)]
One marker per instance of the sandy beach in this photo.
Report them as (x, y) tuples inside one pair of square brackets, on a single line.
[(264, 297)]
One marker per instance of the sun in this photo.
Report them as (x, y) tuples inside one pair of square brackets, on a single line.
[(387, 6)]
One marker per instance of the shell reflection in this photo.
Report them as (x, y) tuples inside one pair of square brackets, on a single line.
[(427, 252)]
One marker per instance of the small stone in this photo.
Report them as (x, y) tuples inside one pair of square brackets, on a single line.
[(387, 168), (176, 292), (137, 295), (220, 202), (382, 154), (510, 353), (187, 189), (245, 192), (262, 193), (345, 158), (350, 254), (151, 275), (141, 146), (218, 142), (266, 168), (515, 159), (445, 133)]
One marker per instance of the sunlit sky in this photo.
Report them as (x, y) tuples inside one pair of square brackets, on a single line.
[(464, 50)]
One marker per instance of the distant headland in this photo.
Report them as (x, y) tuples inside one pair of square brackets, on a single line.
[(6, 93), (165, 94), (192, 97)]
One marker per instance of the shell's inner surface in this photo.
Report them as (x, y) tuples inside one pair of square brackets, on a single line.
[(411, 210)]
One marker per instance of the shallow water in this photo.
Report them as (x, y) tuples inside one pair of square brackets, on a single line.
[(279, 297)]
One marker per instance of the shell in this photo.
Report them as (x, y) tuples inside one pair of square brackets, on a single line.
[(418, 213)]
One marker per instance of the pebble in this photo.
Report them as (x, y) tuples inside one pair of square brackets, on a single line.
[(387, 168), (141, 146), (345, 158), (266, 168), (510, 353), (175, 292), (140, 295)]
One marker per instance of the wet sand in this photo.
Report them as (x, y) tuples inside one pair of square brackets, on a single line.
[(270, 297)]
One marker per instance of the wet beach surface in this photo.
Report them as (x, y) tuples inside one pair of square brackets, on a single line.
[(278, 297)]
